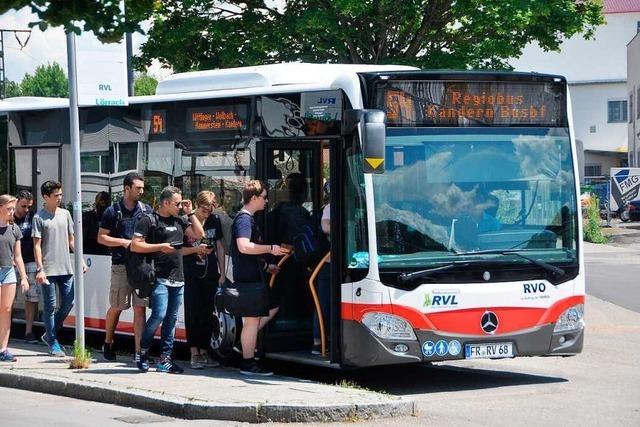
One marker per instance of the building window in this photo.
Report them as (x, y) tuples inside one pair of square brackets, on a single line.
[(617, 111), (592, 170), (592, 129)]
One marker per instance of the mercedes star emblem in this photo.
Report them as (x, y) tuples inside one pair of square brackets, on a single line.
[(489, 322)]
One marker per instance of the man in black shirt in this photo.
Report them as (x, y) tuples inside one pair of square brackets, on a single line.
[(163, 236), (249, 266)]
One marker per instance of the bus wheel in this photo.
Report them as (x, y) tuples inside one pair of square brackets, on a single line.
[(223, 336)]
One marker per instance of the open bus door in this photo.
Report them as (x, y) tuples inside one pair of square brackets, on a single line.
[(295, 172)]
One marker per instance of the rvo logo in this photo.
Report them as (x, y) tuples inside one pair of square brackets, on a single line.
[(532, 288)]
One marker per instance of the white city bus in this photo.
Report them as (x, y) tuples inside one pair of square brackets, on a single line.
[(455, 230)]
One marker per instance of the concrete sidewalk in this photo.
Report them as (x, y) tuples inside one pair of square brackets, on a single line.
[(218, 393)]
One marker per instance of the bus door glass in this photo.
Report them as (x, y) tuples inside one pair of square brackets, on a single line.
[(294, 174), (34, 166)]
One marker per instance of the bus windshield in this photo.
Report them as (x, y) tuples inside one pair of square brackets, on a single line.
[(476, 192)]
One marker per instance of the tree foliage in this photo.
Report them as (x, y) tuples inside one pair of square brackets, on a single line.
[(48, 80), (204, 34), (102, 17), (12, 89), (144, 84)]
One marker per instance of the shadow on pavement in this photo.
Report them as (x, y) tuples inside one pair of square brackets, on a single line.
[(417, 379)]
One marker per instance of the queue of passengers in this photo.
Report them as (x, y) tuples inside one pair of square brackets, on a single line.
[(38, 246)]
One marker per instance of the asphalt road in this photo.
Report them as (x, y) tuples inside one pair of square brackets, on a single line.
[(613, 274), (601, 386)]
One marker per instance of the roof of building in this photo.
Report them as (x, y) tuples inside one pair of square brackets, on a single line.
[(621, 6)]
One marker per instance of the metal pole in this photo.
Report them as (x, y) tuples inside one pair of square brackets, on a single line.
[(74, 124), (130, 78)]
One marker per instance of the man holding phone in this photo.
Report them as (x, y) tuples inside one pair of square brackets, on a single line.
[(164, 239)]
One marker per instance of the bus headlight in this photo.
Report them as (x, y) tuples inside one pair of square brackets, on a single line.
[(388, 326), (571, 319)]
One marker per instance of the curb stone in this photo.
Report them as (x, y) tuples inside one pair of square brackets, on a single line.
[(179, 407)]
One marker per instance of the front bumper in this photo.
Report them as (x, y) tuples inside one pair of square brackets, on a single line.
[(361, 348)]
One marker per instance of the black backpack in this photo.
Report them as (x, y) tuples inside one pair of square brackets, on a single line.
[(311, 244), (141, 273)]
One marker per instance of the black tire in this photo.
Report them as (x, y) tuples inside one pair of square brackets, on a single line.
[(224, 336)]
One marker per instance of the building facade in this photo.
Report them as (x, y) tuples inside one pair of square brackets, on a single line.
[(596, 70)]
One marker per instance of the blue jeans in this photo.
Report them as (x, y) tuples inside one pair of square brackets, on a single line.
[(323, 282), (53, 321), (165, 302)]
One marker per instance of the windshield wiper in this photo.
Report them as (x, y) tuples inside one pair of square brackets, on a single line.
[(405, 277), (557, 271)]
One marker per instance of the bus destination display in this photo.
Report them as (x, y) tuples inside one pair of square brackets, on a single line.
[(226, 118), (158, 122), (443, 103)]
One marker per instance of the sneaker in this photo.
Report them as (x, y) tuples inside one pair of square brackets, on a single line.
[(150, 360), (6, 356), (108, 353), (56, 350), (30, 338), (142, 361), (167, 365), (197, 361), (252, 368), (209, 362)]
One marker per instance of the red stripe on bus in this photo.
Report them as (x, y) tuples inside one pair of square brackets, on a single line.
[(123, 327), (467, 321)]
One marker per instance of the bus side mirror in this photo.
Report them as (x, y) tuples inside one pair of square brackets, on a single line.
[(372, 133)]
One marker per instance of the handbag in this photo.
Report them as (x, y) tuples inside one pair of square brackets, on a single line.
[(246, 299)]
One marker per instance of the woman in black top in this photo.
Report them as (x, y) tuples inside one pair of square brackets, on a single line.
[(203, 273)]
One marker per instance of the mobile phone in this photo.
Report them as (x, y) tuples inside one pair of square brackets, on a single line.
[(210, 246), (177, 245)]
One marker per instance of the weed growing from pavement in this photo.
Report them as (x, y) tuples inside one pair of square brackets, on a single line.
[(81, 357)]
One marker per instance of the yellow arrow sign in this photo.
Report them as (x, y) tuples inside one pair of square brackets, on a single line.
[(374, 162)]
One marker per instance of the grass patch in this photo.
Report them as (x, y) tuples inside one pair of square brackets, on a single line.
[(81, 357)]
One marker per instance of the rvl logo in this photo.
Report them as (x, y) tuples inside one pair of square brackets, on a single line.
[(444, 300), (102, 87), (327, 101)]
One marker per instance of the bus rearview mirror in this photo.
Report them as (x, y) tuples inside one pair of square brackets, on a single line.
[(372, 132)]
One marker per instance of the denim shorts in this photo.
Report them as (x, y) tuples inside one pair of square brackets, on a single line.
[(7, 275)]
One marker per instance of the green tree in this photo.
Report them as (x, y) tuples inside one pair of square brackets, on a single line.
[(102, 17), (12, 89), (203, 34), (48, 80), (144, 84)]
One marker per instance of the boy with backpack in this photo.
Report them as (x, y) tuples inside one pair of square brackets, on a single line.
[(116, 231)]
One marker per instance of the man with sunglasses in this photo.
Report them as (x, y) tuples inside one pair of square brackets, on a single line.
[(164, 240)]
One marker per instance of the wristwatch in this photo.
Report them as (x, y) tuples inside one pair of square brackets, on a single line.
[(38, 270)]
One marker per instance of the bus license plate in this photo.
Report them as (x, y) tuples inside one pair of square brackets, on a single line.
[(488, 350)]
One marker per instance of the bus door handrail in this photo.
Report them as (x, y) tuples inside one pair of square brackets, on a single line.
[(316, 302)]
